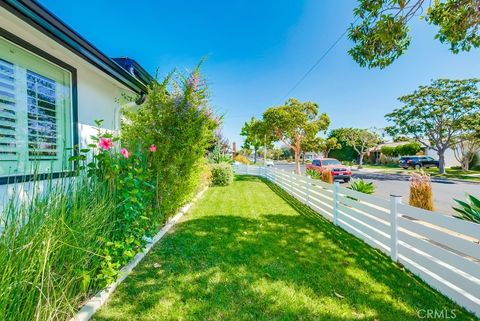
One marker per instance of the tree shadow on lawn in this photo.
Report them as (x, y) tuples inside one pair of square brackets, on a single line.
[(269, 267), (246, 178)]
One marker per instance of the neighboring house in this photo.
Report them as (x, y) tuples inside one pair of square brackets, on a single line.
[(450, 160), (53, 85), (309, 156)]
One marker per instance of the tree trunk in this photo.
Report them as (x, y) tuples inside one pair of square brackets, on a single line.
[(441, 161), (466, 164), (255, 155), (297, 162), (360, 160)]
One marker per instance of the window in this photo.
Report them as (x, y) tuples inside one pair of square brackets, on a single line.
[(36, 127), (328, 162)]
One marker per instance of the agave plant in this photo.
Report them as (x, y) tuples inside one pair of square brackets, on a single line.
[(469, 210), (313, 173), (362, 186)]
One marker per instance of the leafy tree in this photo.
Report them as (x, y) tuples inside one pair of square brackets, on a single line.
[(467, 144), (294, 123), (256, 135), (401, 139), (321, 145), (245, 152), (311, 145), (346, 152), (382, 34), (330, 144), (287, 152), (434, 115), (361, 140), (277, 153)]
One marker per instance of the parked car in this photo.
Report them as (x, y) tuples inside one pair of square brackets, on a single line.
[(417, 162), (339, 171), (269, 163)]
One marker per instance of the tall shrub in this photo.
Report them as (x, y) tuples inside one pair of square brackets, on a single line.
[(177, 119), (421, 191), (411, 148)]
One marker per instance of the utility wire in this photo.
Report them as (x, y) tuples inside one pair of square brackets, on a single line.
[(317, 63)]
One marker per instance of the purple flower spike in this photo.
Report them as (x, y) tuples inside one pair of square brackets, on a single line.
[(193, 81)]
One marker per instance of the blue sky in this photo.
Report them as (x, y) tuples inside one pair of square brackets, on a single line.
[(258, 50)]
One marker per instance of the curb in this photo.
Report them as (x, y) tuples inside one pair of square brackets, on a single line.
[(99, 299)]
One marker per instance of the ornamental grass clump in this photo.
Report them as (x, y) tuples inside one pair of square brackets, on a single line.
[(327, 177), (50, 250), (421, 191), (313, 173), (468, 210), (362, 186)]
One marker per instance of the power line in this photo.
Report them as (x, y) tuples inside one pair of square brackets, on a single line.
[(316, 63)]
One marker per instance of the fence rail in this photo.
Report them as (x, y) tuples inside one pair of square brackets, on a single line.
[(442, 250)]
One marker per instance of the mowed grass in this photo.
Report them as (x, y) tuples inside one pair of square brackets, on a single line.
[(250, 252)]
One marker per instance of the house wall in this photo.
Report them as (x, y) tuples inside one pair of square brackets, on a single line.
[(99, 95), (450, 159)]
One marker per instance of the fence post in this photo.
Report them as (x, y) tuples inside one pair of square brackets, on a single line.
[(394, 201), (335, 202), (307, 192)]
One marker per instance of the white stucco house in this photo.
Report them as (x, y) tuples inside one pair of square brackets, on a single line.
[(53, 85)]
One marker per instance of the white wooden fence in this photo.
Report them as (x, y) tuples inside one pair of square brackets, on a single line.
[(442, 250)]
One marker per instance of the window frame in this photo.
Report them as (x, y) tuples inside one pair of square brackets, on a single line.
[(74, 108)]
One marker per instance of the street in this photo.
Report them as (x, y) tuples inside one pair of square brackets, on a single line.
[(444, 191)]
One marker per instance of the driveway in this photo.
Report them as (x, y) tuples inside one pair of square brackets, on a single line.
[(444, 191)]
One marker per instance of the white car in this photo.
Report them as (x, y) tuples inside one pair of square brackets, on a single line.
[(269, 163)]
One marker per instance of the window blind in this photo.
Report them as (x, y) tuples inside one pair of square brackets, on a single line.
[(42, 125), (8, 114)]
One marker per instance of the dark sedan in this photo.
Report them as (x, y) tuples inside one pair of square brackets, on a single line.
[(417, 162)]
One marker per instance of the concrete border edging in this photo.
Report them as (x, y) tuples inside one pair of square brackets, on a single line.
[(99, 299)]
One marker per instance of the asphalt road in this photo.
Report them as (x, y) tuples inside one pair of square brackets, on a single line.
[(444, 191)]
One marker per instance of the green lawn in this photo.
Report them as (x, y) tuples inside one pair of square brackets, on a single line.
[(455, 173), (250, 252)]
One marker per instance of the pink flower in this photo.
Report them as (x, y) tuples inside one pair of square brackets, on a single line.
[(125, 152), (105, 143), (153, 148)]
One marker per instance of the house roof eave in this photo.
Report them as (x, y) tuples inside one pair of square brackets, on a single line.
[(46, 22)]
